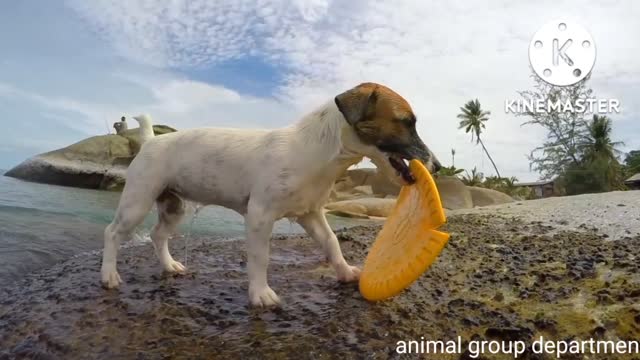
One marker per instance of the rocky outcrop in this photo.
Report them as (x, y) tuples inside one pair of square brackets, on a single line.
[(355, 193), (354, 178), (454, 194), (98, 162), (362, 208), (485, 197), (381, 185)]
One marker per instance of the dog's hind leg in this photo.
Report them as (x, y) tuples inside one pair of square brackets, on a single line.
[(131, 212), (258, 225), (316, 225), (170, 213)]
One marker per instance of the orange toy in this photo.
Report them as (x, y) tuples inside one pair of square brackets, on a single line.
[(408, 242)]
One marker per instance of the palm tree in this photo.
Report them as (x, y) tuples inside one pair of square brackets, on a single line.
[(600, 152), (472, 120), (598, 144), (453, 157), (450, 171), (474, 178)]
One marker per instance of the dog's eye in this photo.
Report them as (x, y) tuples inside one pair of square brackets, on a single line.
[(406, 120), (409, 121)]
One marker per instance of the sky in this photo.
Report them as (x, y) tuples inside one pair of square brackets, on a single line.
[(69, 69)]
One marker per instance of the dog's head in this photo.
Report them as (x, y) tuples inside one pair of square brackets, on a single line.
[(385, 127)]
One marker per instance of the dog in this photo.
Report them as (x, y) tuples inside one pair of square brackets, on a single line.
[(266, 175)]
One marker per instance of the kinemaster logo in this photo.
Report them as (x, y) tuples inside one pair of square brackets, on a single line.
[(562, 53)]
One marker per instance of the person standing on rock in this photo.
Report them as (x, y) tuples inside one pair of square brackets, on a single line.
[(121, 125)]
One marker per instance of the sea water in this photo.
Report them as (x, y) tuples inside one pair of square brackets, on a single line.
[(41, 225)]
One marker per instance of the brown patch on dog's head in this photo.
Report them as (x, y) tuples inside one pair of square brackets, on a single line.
[(382, 118), (377, 113)]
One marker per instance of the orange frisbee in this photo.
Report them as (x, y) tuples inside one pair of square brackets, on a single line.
[(408, 242)]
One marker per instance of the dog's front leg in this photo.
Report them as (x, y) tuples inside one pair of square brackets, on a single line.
[(258, 226), (316, 225)]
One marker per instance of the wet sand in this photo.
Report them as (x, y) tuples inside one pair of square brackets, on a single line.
[(500, 277)]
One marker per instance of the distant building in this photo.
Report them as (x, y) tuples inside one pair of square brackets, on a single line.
[(541, 189), (633, 182)]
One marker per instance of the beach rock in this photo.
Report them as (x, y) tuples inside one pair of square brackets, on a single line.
[(366, 206), (486, 197), (114, 178), (344, 185), (347, 214), (354, 178), (98, 162), (381, 185), (367, 181), (343, 195), (454, 194), (361, 177), (365, 190)]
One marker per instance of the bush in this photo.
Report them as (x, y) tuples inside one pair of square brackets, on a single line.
[(586, 179)]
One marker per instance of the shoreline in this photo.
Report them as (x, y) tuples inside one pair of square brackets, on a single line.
[(142, 239)]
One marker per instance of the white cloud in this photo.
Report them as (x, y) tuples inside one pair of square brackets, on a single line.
[(89, 113), (437, 54), (174, 101), (186, 103)]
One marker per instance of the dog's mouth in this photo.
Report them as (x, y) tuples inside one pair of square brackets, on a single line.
[(401, 165)]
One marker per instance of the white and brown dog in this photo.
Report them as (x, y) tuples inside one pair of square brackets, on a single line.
[(266, 175)]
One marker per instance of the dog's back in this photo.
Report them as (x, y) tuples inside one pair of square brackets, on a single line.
[(208, 165)]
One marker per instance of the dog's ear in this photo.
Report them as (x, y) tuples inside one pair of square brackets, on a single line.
[(358, 103)]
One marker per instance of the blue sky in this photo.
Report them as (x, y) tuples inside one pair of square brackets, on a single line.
[(68, 69)]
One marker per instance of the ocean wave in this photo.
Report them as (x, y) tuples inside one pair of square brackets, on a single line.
[(22, 209)]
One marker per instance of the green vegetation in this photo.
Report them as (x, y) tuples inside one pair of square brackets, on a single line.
[(598, 169), (476, 178), (578, 148), (632, 163), (450, 171)]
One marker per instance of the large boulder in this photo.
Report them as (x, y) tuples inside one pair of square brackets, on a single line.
[(366, 206), (354, 178), (98, 162), (454, 194), (360, 177), (353, 184), (381, 185), (486, 197), (354, 181)]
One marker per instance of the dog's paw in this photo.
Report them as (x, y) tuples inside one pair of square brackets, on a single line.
[(110, 279), (264, 297), (348, 273), (175, 267)]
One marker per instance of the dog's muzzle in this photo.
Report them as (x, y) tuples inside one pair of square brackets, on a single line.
[(400, 154)]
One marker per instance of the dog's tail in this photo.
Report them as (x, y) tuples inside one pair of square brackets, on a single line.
[(146, 127)]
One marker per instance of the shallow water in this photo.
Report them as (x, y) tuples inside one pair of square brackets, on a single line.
[(41, 225)]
